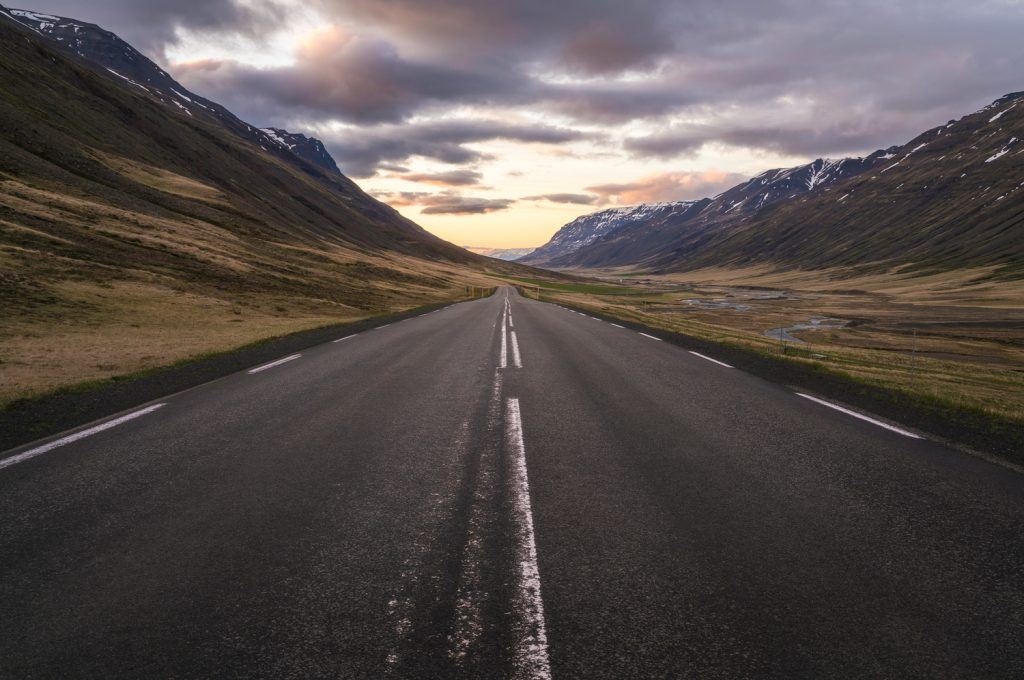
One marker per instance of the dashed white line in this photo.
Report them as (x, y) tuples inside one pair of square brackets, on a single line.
[(707, 358), (516, 360), (32, 453), (504, 351), (274, 363), (616, 325), (861, 416), (651, 337), (531, 654), (347, 337)]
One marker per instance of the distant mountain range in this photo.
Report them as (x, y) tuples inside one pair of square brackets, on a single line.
[(591, 232), (507, 254), (952, 197)]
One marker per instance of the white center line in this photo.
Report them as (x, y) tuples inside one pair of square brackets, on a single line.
[(32, 453), (859, 415), (504, 351), (347, 337), (651, 337), (274, 363), (531, 654), (516, 360), (714, 361)]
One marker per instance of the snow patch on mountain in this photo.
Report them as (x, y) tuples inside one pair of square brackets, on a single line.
[(587, 229)]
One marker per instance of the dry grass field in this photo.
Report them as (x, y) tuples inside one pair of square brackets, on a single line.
[(91, 291), (954, 338)]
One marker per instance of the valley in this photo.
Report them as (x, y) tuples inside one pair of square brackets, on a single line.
[(754, 410)]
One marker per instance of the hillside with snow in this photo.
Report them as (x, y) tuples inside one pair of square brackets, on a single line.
[(607, 224), (952, 197), (114, 58)]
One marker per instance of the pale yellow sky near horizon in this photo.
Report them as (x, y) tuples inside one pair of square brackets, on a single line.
[(531, 223)]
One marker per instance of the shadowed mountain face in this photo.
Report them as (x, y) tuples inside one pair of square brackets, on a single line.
[(309, 149), (85, 118), (952, 197), (97, 46)]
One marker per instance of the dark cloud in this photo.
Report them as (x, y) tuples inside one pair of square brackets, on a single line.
[(360, 151), (805, 77), (151, 25), (344, 75), (392, 167), (588, 36), (449, 178), (575, 199), (461, 205), (445, 202), (811, 138)]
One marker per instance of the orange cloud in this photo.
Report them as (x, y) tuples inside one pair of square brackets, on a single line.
[(666, 186)]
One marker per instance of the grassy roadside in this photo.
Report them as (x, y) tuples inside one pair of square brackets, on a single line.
[(29, 419), (946, 399)]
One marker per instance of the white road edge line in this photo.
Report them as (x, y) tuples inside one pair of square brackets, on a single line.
[(274, 363), (347, 337), (379, 327), (859, 415), (616, 325), (32, 453), (531, 656), (714, 361), (651, 337), (516, 359)]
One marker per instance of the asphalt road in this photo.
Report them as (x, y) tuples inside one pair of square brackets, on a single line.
[(505, 490)]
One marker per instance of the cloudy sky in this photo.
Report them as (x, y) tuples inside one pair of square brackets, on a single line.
[(494, 122)]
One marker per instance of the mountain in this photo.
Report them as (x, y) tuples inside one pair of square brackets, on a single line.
[(111, 56), (785, 184), (606, 227), (309, 149), (950, 198), (507, 254), (635, 233)]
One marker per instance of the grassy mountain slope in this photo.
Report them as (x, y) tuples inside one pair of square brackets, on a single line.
[(627, 236), (950, 199), (133, 234), (111, 57)]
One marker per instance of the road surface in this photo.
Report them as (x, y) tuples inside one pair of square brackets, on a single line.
[(505, 488)]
